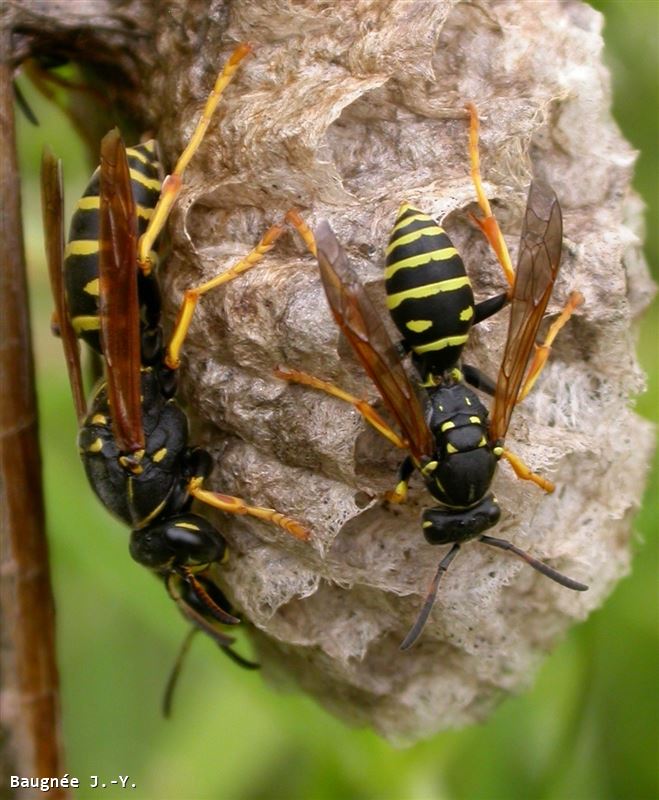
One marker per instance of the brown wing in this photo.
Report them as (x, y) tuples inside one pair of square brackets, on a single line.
[(362, 326), (537, 267), (52, 207), (118, 303)]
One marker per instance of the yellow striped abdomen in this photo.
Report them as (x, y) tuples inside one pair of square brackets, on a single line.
[(81, 253), (429, 294)]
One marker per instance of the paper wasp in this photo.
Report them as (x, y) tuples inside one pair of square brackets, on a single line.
[(133, 438), (451, 439)]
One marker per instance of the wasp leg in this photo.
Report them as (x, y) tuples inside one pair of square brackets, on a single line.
[(365, 409), (294, 219), (195, 616), (542, 350), (399, 494), (525, 473), (202, 595), (191, 296), (235, 505), (174, 182), (489, 307), (478, 379), (487, 223)]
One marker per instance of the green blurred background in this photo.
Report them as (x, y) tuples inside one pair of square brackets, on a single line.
[(587, 730)]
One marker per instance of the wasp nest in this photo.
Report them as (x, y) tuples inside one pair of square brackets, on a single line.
[(344, 111)]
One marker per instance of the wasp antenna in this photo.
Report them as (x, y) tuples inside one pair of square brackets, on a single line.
[(172, 681), (540, 566), (421, 620), (243, 662)]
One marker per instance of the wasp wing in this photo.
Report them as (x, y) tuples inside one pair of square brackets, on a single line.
[(118, 297), (537, 267), (52, 207), (363, 327)]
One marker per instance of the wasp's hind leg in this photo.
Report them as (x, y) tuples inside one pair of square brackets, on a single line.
[(543, 350), (478, 379), (304, 231), (365, 409), (191, 296), (296, 376), (524, 472), (487, 223), (398, 495), (236, 505), (173, 183)]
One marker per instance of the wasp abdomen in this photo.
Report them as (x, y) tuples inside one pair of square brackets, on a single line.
[(81, 254), (429, 293)]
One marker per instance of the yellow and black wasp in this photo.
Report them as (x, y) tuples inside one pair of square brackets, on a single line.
[(452, 440), (133, 438)]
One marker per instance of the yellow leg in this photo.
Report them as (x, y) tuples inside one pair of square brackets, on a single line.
[(191, 296), (235, 505), (399, 493), (294, 219), (542, 350), (523, 472), (173, 183), (488, 223), (365, 409)]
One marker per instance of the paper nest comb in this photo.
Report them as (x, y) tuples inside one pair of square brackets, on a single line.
[(344, 111)]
